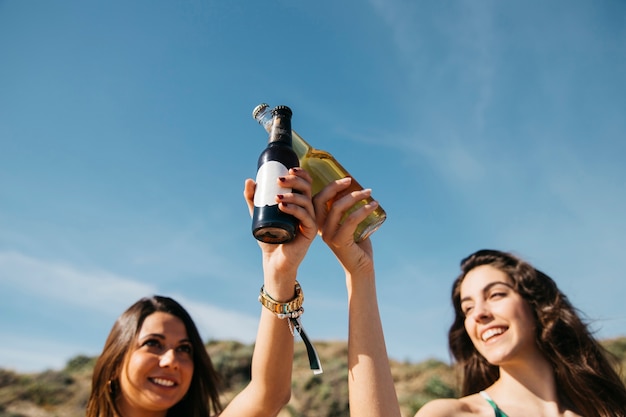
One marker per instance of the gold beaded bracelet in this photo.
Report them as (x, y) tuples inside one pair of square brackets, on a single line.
[(290, 309)]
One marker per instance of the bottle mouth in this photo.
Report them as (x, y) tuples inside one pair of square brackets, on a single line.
[(258, 109), (283, 110)]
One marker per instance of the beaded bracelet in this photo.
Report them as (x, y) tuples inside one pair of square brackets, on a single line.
[(290, 309)]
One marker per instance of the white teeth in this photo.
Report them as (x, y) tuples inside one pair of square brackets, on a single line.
[(492, 332), (164, 382)]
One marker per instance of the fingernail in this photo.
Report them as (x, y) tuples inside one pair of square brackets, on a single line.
[(281, 179), (280, 196), (344, 180)]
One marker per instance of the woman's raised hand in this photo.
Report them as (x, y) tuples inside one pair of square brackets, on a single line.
[(337, 232), (298, 203)]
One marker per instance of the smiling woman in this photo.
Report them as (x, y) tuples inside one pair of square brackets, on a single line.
[(487, 293), (153, 357), (163, 357), (154, 363), (521, 345)]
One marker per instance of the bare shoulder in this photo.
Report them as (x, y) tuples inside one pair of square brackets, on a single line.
[(444, 407), (451, 407)]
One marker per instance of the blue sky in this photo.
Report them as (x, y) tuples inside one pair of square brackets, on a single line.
[(126, 136)]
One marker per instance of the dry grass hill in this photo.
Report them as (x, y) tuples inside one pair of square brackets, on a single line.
[(64, 393)]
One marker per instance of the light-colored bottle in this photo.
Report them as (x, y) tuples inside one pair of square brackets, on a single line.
[(324, 168)]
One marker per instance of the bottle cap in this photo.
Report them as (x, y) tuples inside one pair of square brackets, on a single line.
[(258, 109), (282, 110)]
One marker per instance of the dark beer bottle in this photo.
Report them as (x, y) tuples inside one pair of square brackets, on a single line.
[(269, 224)]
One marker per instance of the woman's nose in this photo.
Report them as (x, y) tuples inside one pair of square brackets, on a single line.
[(168, 358), (481, 312)]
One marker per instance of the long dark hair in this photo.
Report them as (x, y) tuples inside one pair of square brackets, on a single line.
[(586, 374), (201, 399)]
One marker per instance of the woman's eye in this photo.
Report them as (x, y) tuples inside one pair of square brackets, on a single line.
[(498, 294), (467, 310), (152, 343), (185, 349)]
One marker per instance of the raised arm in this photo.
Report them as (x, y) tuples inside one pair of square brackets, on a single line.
[(371, 389), (270, 387)]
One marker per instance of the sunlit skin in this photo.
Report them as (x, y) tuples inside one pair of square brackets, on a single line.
[(158, 369), (497, 319)]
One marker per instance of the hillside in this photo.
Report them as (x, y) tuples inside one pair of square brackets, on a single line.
[(64, 393)]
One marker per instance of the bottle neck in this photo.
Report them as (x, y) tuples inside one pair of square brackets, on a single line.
[(280, 132), (263, 115), (299, 145)]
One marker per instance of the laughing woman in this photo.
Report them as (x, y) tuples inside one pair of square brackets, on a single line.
[(523, 349), (154, 363)]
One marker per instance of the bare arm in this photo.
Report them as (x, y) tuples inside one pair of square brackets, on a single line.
[(370, 383), (371, 387), (270, 387)]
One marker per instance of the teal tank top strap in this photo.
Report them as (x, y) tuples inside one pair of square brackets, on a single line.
[(496, 409)]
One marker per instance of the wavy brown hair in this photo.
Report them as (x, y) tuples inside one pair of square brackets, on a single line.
[(201, 399), (586, 374)]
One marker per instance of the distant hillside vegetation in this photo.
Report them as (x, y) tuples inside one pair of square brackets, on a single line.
[(64, 393)]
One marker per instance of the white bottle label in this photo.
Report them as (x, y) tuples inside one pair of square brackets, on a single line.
[(267, 187)]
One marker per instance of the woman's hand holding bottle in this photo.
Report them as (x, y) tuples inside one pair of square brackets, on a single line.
[(337, 232), (287, 257)]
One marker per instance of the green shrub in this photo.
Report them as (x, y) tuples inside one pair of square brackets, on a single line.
[(80, 363), (47, 388), (8, 378), (439, 389)]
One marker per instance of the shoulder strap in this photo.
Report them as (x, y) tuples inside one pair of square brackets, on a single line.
[(496, 409)]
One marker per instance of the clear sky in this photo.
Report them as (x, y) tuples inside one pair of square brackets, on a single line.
[(126, 136)]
